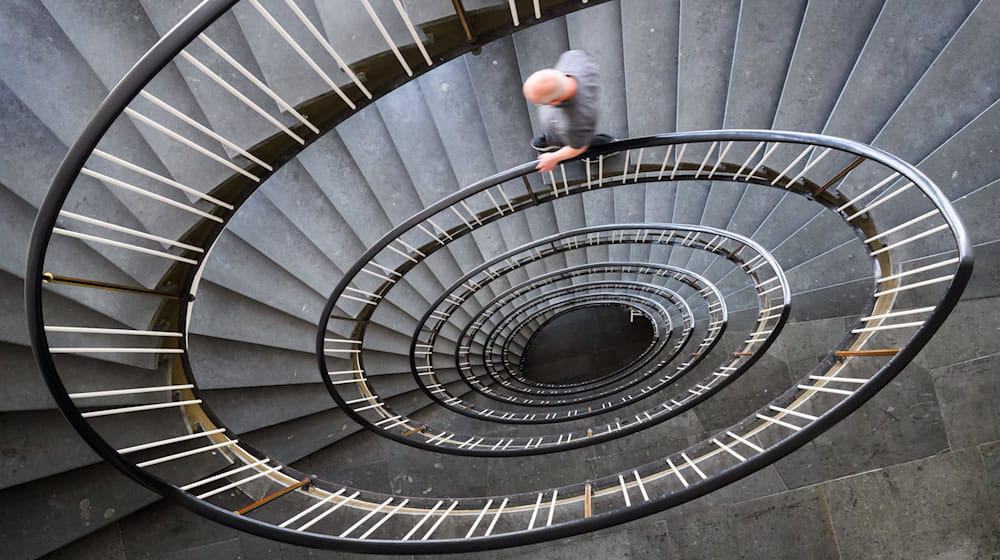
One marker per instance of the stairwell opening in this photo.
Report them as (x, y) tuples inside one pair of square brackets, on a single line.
[(586, 344)]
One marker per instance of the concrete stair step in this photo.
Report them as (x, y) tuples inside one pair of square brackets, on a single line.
[(890, 64), (57, 66), (123, 28), (226, 116)]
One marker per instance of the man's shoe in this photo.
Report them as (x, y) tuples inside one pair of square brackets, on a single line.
[(542, 146), (600, 140)]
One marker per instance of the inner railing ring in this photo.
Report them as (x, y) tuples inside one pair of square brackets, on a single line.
[(354, 391)]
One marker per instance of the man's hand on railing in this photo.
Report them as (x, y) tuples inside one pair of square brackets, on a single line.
[(548, 162)]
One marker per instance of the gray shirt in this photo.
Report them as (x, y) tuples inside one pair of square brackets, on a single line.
[(574, 122)]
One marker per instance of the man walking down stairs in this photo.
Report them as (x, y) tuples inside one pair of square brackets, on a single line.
[(566, 97)]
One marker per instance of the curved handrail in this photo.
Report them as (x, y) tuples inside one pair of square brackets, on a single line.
[(543, 319), (200, 18), (385, 420), (711, 336), (681, 275), (542, 301), (464, 337), (956, 282), (671, 295)]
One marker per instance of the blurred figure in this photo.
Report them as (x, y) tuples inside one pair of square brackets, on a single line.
[(567, 107)]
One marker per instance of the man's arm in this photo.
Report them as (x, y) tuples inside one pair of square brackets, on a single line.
[(548, 162)]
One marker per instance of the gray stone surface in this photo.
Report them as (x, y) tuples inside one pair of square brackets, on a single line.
[(77, 502), (70, 256), (802, 345), (227, 116), (986, 275), (220, 363), (26, 387), (147, 534), (433, 474), (650, 540), (765, 41), (54, 80), (830, 38), (452, 102), (791, 525), (964, 163), (832, 301), (331, 166), (31, 150), (295, 192), (766, 482), (238, 410), (975, 206), (238, 266), (932, 508), (991, 460), (370, 143), (355, 36), (414, 135), (901, 46), (262, 225), (967, 392), (707, 37), (955, 342), (354, 451), (527, 474), (292, 76), (768, 378), (38, 444), (706, 46), (486, 82), (623, 454), (227, 314), (650, 52), (970, 42), (103, 544), (298, 438), (96, 28), (901, 423)]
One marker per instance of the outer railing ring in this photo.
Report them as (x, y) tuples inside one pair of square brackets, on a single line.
[(207, 12)]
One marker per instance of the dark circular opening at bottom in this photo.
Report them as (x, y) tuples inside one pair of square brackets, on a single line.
[(586, 344)]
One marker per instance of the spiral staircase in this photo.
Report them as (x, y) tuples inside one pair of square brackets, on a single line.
[(348, 359)]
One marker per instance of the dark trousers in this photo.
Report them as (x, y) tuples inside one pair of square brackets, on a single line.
[(597, 140)]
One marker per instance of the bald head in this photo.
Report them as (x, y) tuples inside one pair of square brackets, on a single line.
[(545, 87)]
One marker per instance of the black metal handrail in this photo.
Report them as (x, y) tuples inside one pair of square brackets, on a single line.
[(543, 313), (456, 443), (831, 200), (574, 388), (486, 311), (465, 340), (703, 350), (199, 19), (505, 298)]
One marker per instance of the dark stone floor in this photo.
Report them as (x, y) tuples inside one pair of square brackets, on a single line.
[(586, 344)]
